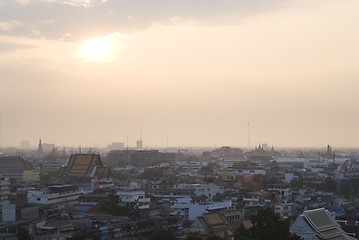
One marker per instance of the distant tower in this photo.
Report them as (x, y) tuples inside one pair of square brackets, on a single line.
[(139, 144), (39, 148)]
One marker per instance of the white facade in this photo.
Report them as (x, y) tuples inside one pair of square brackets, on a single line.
[(42, 197), (285, 209), (208, 190), (138, 197), (288, 177), (4, 191), (251, 172), (191, 211)]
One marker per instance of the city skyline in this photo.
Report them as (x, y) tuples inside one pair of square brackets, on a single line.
[(92, 72)]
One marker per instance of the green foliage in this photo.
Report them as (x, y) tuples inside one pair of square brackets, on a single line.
[(266, 226), (347, 195), (193, 236), (329, 185), (79, 236), (240, 233), (151, 174), (23, 234), (163, 235), (214, 237), (296, 184), (112, 206)]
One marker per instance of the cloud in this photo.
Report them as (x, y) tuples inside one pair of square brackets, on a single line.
[(6, 47), (7, 26), (85, 18)]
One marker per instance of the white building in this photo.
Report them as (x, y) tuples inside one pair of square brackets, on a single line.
[(54, 195), (137, 197), (251, 171), (208, 190), (285, 210), (4, 191), (191, 211)]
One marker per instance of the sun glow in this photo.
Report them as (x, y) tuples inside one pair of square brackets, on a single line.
[(99, 49)]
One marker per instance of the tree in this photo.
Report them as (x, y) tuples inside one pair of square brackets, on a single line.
[(328, 185), (112, 206), (240, 233), (23, 234), (79, 236), (151, 174), (214, 237), (163, 235), (193, 236), (266, 226)]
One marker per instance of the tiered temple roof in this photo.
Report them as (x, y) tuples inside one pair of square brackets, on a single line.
[(83, 165)]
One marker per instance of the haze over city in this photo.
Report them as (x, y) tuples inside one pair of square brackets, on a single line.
[(193, 72)]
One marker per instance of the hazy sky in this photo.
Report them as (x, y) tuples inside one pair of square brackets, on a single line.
[(196, 71)]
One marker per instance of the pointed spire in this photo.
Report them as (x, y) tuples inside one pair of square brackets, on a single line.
[(39, 148)]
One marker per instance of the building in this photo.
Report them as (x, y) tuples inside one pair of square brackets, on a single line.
[(138, 197), (13, 167), (54, 195), (4, 192), (318, 224), (24, 144), (190, 211), (139, 157), (85, 166), (285, 210), (212, 224), (39, 148), (116, 146), (139, 144), (53, 230)]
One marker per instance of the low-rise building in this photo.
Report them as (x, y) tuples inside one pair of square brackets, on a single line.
[(54, 195), (138, 197)]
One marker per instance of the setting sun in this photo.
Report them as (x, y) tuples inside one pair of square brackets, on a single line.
[(98, 50)]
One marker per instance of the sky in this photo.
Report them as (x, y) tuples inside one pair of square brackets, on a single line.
[(190, 73)]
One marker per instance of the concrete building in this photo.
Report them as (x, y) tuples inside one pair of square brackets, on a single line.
[(13, 167), (138, 197), (285, 210), (54, 195), (139, 157), (116, 146), (139, 144), (190, 211)]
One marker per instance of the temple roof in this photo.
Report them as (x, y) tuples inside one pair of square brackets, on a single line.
[(10, 164), (81, 165)]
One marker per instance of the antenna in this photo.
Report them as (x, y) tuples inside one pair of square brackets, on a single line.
[(0, 132), (167, 143), (127, 141), (249, 135)]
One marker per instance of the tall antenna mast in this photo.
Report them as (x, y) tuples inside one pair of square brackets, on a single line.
[(0, 132), (249, 135), (167, 143)]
